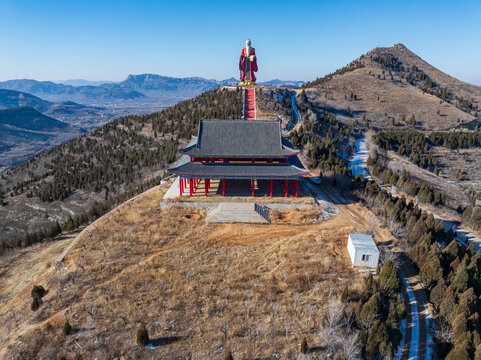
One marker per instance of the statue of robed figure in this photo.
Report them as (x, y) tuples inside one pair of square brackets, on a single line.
[(248, 64)]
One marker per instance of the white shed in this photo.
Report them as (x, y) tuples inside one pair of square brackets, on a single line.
[(362, 250)]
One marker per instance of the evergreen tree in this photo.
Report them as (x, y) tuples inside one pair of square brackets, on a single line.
[(67, 328), (345, 295), (431, 271), (389, 279), (371, 309), (142, 335), (304, 346)]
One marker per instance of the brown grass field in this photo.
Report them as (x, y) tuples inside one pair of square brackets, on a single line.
[(199, 288)]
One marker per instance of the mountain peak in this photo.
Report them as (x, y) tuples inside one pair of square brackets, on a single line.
[(400, 46)]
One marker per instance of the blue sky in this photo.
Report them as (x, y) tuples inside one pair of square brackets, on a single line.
[(107, 40)]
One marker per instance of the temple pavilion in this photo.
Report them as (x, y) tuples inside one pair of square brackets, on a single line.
[(239, 149)]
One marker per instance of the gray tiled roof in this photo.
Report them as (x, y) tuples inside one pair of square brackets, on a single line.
[(239, 170), (239, 138)]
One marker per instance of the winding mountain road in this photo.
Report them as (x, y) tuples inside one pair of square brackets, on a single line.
[(417, 344)]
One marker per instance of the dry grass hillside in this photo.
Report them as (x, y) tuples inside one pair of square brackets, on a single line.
[(383, 96), (459, 87), (199, 288)]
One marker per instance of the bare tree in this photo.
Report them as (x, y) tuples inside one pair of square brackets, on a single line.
[(308, 277), (393, 224), (275, 307), (258, 329), (351, 348), (110, 290), (310, 311), (287, 323), (82, 262), (123, 316), (444, 332), (296, 297), (249, 306), (72, 276), (385, 255), (187, 275), (334, 315), (368, 322), (224, 328)]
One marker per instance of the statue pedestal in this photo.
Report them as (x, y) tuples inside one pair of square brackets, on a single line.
[(247, 83)]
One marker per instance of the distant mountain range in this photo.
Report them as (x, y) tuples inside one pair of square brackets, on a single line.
[(139, 89), (75, 106)]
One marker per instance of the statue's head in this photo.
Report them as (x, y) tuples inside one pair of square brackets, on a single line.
[(248, 42)]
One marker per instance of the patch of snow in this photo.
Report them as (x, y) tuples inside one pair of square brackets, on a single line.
[(429, 336), (358, 162), (67, 210), (36, 207), (414, 345)]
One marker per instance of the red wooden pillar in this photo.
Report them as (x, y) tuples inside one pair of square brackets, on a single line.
[(206, 183), (271, 183), (252, 187), (223, 187), (285, 183), (296, 186), (191, 186), (181, 186)]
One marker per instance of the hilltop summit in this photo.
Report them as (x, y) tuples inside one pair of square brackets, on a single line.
[(390, 85)]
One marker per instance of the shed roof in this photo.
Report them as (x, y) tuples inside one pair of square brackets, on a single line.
[(239, 170), (363, 242), (239, 138)]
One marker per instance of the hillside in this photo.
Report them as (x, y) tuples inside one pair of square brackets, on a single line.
[(391, 87), (87, 117), (88, 174), (11, 99), (24, 115), (25, 131), (201, 289)]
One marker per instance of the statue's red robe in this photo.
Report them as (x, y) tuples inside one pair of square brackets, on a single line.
[(243, 64)]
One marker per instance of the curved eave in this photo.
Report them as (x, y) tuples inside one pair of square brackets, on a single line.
[(191, 153), (238, 171)]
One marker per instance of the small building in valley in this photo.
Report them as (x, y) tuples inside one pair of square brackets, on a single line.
[(363, 251)]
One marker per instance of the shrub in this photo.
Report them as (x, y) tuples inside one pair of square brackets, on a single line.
[(304, 347), (49, 327), (35, 304), (38, 291), (67, 329), (142, 336)]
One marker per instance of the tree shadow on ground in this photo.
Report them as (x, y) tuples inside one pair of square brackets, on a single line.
[(161, 341)]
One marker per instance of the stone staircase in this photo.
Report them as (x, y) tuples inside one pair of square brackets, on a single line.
[(243, 212)]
